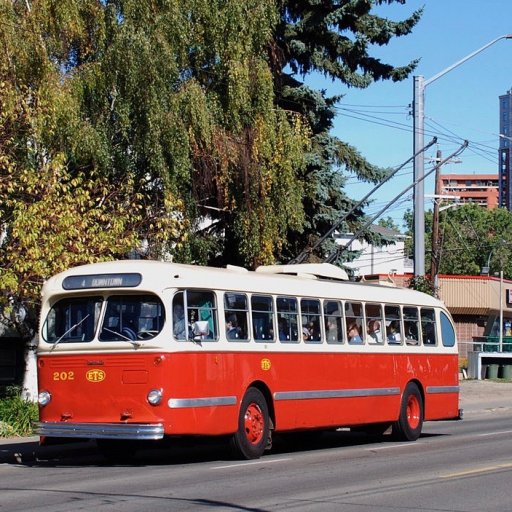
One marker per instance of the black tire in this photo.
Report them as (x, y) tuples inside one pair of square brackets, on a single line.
[(251, 438), (410, 422)]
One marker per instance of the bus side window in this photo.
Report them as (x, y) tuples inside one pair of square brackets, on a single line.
[(262, 317), (333, 321), (287, 319), (373, 323), (201, 307), (310, 312), (411, 324), (354, 322), (393, 322), (447, 331), (236, 309), (428, 326)]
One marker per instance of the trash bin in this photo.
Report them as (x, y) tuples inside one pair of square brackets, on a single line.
[(492, 371), (506, 371)]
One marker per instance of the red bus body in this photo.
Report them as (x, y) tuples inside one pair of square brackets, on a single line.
[(202, 384)]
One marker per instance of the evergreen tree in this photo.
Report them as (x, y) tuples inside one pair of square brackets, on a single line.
[(333, 38)]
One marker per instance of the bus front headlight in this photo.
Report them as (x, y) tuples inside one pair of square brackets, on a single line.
[(44, 398), (155, 396)]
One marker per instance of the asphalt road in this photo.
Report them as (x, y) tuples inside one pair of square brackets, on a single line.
[(460, 466)]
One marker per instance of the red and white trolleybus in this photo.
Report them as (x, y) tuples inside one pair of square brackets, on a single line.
[(145, 350)]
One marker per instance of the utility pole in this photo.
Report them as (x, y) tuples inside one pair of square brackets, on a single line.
[(434, 261), (418, 131)]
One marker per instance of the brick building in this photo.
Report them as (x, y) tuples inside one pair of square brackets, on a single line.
[(482, 189)]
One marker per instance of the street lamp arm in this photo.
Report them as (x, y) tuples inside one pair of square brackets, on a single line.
[(419, 162), (467, 57)]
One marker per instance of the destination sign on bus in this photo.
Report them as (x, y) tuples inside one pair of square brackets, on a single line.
[(102, 281)]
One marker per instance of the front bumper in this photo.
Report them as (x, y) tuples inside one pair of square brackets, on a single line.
[(136, 431)]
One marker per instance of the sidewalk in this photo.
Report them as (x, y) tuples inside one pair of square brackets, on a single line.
[(476, 396), (485, 395)]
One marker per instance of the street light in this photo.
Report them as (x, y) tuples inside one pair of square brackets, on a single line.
[(419, 161)]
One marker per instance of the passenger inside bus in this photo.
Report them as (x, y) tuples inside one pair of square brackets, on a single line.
[(354, 335), (232, 329), (332, 330), (374, 333), (411, 333), (283, 329), (314, 331), (394, 332)]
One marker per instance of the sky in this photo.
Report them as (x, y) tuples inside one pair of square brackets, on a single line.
[(461, 105)]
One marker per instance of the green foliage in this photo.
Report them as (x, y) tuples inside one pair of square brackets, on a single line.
[(175, 127), (422, 284), (129, 124), (470, 237), (335, 39), (389, 222), (17, 415), (408, 221)]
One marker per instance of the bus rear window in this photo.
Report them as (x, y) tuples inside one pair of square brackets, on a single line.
[(72, 320), (447, 331)]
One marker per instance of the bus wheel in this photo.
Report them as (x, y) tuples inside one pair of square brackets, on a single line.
[(251, 438), (409, 424)]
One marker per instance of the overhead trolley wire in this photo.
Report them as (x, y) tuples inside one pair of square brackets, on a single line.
[(341, 249), (305, 253)]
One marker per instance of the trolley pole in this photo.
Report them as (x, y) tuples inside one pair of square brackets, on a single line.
[(434, 262)]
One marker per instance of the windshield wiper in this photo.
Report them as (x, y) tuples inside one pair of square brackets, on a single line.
[(135, 343), (69, 330)]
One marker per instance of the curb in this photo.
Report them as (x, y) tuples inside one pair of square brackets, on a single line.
[(27, 450)]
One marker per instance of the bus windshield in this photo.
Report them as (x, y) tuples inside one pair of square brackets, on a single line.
[(125, 318), (72, 320)]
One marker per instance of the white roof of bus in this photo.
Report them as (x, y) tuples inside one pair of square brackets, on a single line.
[(304, 281)]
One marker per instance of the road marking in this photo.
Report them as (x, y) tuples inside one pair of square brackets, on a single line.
[(494, 433), (395, 445), (477, 471), (253, 463)]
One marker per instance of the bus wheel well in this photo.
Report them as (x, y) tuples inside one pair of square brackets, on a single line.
[(262, 387), (420, 387)]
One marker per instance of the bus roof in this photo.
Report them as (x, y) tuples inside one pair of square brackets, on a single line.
[(305, 280)]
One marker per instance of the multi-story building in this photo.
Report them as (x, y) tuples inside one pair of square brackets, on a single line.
[(505, 178), (482, 189)]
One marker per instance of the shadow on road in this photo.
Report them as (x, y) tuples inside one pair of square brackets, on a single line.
[(177, 451)]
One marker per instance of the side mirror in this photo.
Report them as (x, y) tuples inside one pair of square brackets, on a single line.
[(200, 328)]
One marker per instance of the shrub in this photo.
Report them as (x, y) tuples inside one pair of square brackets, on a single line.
[(16, 414)]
